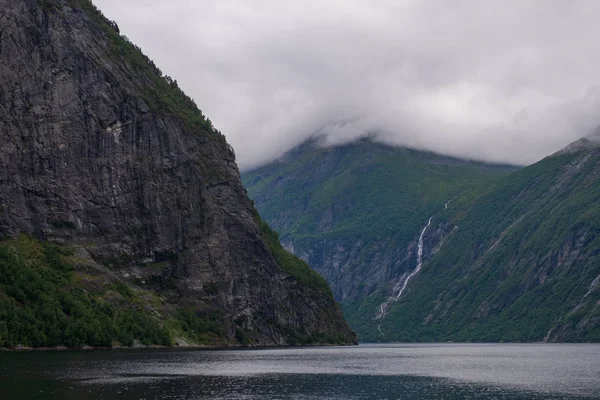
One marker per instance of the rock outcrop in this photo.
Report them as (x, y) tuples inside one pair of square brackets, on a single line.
[(100, 152)]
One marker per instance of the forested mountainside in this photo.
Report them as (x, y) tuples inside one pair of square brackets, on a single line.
[(423, 248), (354, 212), (521, 262), (123, 214)]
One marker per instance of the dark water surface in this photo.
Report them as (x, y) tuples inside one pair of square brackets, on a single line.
[(444, 371)]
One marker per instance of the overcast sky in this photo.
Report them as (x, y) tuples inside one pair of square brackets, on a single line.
[(503, 81)]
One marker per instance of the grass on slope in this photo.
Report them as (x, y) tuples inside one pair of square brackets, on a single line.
[(42, 305), (505, 275), (371, 191), (163, 95), (46, 302), (294, 266)]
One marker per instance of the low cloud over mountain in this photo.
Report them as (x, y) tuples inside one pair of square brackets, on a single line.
[(509, 82)]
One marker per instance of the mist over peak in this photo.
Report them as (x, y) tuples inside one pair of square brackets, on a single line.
[(508, 82)]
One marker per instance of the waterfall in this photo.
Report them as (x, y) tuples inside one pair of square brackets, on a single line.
[(419, 258), (592, 286), (547, 337), (406, 277), (403, 282)]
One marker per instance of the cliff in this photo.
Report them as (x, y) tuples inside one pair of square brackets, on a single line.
[(102, 155)]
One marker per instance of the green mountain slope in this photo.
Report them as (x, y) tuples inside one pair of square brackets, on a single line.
[(50, 297), (354, 212), (510, 258), (523, 263)]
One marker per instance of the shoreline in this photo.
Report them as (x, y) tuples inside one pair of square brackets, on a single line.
[(25, 349)]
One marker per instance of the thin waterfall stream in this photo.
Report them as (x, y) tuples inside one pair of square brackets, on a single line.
[(406, 277)]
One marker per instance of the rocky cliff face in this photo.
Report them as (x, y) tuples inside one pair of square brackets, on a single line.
[(98, 151)]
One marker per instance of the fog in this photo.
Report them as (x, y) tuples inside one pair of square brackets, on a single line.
[(509, 81)]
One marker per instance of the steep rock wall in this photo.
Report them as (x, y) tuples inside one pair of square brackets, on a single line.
[(95, 151)]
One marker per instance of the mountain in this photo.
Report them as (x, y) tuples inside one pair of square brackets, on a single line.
[(354, 212), (512, 258), (522, 262), (124, 218)]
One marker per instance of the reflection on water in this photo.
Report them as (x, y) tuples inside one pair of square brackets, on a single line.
[(365, 372)]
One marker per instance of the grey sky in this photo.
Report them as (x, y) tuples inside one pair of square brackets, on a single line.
[(505, 81)]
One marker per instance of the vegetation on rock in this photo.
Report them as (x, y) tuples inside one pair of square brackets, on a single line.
[(354, 211), (523, 264), (294, 266), (161, 92), (159, 243), (42, 304), (514, 256)]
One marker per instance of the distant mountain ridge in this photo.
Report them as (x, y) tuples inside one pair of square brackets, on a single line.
[(354, 212), (514, 256), (523, 263), (587, 142)]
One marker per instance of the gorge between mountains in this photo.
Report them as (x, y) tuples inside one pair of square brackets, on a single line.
[(513, 257)]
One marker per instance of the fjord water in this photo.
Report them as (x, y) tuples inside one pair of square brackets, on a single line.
[(444, 371)]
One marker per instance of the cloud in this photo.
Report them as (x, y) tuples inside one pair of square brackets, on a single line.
[(509, 81)]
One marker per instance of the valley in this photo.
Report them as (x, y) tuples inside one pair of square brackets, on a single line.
[(512, 257)]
